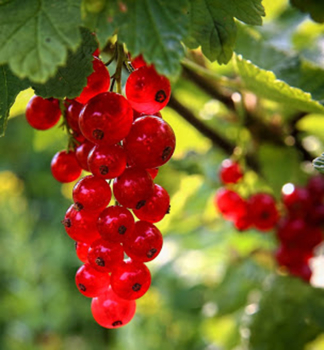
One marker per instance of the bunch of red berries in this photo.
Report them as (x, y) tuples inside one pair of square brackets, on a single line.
[(124, 140), (300, 230), (258, 211)]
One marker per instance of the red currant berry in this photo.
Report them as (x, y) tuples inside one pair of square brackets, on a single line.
[(111, 311), (81, 250), (81, 225), (155, 207), (230, 204), (106, 119), (115, 223), (315, 187), (302, 271), (138, 62), (147, 91), (42, 114), (65, 167), (243, 222), (144, 243), (290, 229), (130, 279), (150, 143), (104, 255), (107, 161), (98, 81), (264, 213), (289, 257), (91, 282), (296, 199), (72, 114), (230, 172), (133, 188), (82, 153), (153, 172), (91, 193)]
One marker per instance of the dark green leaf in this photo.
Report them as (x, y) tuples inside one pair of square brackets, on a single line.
[(10, 86), (213, 28), (314, 7), (98, 16), (319, 163), (70, 79), (35, 36), (285, 320), (155, 28)]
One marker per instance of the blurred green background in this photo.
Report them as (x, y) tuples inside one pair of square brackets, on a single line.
[(213, 288)]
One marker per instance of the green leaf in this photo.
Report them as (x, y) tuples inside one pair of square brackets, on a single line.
[(70, 79), (98, 15), (35, 36), (275, 75), (213, 28), (314, 7), (155, 28), (319, 163), (285, 320), (10, 86)]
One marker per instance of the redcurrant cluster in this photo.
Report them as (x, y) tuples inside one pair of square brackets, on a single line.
[(258, 211), (300, 230), (124, 140)]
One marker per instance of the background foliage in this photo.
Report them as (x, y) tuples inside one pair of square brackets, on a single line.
[(213, 287)]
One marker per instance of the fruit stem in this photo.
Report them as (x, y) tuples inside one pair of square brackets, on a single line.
[(121, 57)]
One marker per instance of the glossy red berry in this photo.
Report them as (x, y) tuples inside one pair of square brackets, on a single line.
[(72, 114), (81, 225), (91, 193), (302, 271), (107, 161), (291, 256), (82, 153), (230, 172), (111, 311), (144, 243), (153, 172), (155, 206), (42, 114), (91, 282), (150, 143), (133, 188), (138, 62), (115, 223), (147, 91), (81, 250), (139, 115), (65, 167), (98, 81), (104, 255), (231, 205), (296, 199), (264, 213), (106, 119), (315, 187), (130, 279)]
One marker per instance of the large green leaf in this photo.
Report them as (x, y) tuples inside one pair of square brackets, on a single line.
[(35, 35), (71, 78), (319, 163), (213, 28), (279, 76), (154, 28), (98, 16), (10, 86), (314, 7), (290, 315)]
